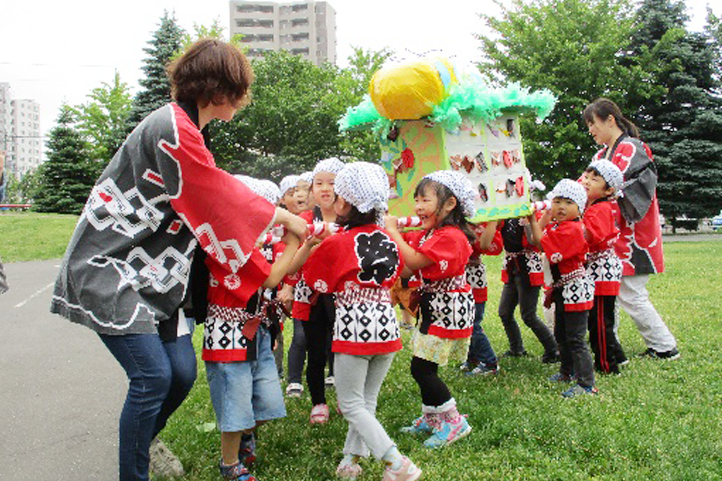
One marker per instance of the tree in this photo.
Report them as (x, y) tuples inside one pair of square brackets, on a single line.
[(68, 175), (683, 125), (155, 93), (570, 47), (289, 125), (103, 119), (22, 190)]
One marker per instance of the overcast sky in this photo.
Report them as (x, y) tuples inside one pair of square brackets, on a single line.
[(58, 51)]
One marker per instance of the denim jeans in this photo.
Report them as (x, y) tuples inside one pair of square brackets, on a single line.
[(161, 375), (480, 349)]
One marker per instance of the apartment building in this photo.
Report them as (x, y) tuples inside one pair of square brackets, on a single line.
[(20, 136), (307, 29)]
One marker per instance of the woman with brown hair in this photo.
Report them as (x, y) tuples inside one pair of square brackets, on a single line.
[(126, 270), (639, 246)]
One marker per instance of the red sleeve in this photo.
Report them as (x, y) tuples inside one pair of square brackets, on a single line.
[(447, 245), (223, 214), (317, 272), (234, 290), (599, 223), (495, 248), (566, 241)]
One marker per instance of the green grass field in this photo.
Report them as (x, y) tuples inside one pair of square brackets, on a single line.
[(659, 420)]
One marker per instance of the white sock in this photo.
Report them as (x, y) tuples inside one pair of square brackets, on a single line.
[(348, 460), (393, 458)]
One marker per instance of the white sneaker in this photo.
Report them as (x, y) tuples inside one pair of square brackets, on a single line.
[(407, 472), (294, 389), (163, 462), (329, 381)]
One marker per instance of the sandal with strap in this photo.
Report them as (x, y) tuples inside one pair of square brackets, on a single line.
[(319, 414), (236, 472)]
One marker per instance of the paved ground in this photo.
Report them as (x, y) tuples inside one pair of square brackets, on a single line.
[(61, 390)]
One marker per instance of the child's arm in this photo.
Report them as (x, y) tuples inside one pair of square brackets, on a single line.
[(281, 266), (488, 235), (413, 259), (536, 230), (302, 255)]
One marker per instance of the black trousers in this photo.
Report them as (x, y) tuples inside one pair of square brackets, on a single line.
[(318, 330), (570, 330), (519, 291), (602, 338), (434, 391)]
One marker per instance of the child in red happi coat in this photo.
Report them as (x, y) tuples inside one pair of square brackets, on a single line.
[(572, 292), (439, 253), (602, 181)]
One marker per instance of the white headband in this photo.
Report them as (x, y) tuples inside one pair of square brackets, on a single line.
[(610, 172), (571, 190), (289, 182), (364, 185), (332, 165), (459, 185)]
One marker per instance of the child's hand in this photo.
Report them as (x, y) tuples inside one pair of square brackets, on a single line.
[(392, 223), (293, 223)]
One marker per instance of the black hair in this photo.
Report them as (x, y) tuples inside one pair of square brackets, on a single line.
[(456, 217), (603, 108), (596, 172), (356, 218)]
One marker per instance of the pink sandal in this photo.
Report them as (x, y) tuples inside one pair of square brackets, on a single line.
[(319, 414)]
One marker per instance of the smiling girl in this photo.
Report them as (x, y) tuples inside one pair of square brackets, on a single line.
[(438, 255)]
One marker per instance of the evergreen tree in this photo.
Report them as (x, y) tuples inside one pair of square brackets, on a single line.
[(68, 175), (155, 93), (570, 47), (683, 125)]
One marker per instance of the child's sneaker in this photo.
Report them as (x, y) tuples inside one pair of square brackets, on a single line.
[(235, 472), (329, 382), (483, 370), (407, 472), (467, 367), (578, 390), (511, 353), (294, 389), (320, 414), (560, 377), (418, 426), (247, 451), (349, 471), (448, 433)]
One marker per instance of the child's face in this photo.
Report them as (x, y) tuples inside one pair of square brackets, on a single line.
[(289, 200), (596, 186), (302, 196), (427, 208), (564, 209), (323, 191)]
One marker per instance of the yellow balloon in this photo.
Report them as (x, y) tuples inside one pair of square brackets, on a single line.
[(410, 91)]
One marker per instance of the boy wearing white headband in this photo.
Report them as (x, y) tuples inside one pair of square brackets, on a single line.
[(603, 182), (572, 292)]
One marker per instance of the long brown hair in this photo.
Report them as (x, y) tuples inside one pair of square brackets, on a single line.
[(602, 108)]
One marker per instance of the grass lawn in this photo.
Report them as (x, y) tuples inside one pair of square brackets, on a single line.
[(30, 236), (657, 421)]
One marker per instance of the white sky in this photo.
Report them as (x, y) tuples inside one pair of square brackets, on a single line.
[(58, 51)]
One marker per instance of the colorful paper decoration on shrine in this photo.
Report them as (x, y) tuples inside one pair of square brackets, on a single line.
[(428, 121)]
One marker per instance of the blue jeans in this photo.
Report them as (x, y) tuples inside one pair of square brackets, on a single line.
[(161, 375), (480, 349)]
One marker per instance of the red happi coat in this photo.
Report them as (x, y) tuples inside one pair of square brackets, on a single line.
[(447, 306), (640, 242), (475, 269), (603, 265), (359, 266), (565, 247)]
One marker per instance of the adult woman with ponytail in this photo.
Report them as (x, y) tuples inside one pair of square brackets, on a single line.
[(640, 242)]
